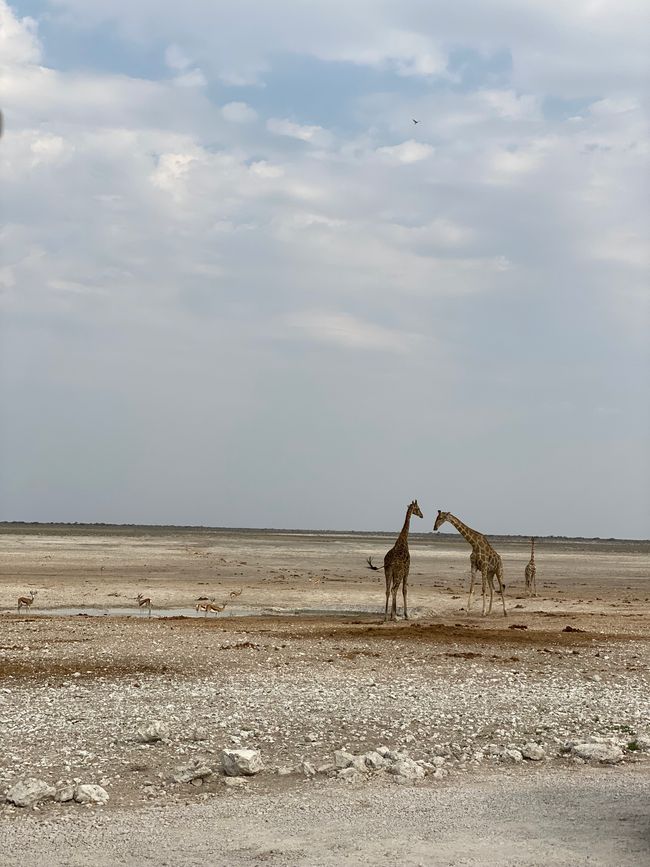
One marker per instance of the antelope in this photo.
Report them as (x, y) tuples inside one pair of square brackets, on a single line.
[(210, 606), (26, 600), (235, 593), (143, 602)]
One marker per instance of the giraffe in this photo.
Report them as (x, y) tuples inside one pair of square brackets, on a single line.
[(483, 559), (531, 570), (397, 562)]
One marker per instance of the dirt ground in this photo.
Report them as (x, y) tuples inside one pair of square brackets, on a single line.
[(300, 665)]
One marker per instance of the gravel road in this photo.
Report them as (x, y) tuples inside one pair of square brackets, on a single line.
[(595, 816)]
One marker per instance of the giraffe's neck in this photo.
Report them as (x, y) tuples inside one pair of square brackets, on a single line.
[(470, 536), (532, 550), (404, 533)]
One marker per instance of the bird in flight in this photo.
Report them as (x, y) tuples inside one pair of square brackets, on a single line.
[(414, 120)]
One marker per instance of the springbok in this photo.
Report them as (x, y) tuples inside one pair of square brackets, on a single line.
[(26, 601), (144, 602), (235, 593), (210, 606)]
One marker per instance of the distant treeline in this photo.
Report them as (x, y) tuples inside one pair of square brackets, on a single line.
[(129, 529)]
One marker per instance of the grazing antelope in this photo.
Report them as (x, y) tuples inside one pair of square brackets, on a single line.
[(210, 606), (235, 593), (144, 602), (26, 601)]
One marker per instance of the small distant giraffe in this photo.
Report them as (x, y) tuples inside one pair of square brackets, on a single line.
[(531, 571), (483, 559), (397, 563)]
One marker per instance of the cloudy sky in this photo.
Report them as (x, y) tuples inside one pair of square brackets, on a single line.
[(239, 287)]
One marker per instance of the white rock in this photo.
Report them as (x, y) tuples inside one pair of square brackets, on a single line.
[(375, 761), (438, 761), (511, 755), (236, 782), (155, 731), (285, 770), (308, 769), (193, 770), (606, 753), (350, 775), (28, 792), (65, 794), (343, 759), (406, 770), (533, 752), (236, 763), (90, 794), (198, 733)]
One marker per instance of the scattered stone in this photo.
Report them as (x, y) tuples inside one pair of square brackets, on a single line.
[(196, 769), (572, 629), (511, 755), (236, 763), (605, 753), (350, 775), (405, 770), (308, 769), (28, 792), (90, 794), (533, 752), (285, 770), (236, 782), (343, 759), (155, 731), (198, 733), (517, 626), (65, 794), (375, 761)]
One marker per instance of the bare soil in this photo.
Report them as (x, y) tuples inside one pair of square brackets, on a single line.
[(572, 664)]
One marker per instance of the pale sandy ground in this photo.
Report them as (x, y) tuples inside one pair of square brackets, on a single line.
[(448, 677)]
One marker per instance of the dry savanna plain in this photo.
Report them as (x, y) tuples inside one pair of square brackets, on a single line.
[(294, 726)]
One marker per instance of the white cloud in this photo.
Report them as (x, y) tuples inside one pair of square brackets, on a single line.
[(407, 152), (312, 134), (175, 58), (264, 169), (192, 78), (341, 329), (18, 38), (238, 112)]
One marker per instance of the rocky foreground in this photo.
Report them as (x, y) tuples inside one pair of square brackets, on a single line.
[(129, 712)]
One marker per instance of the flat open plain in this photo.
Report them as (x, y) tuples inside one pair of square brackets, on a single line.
[(300, 665)]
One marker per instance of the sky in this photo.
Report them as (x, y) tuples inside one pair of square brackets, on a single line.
[(240, 287)]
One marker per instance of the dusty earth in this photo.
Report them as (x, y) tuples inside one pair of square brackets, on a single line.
[(299, 666)]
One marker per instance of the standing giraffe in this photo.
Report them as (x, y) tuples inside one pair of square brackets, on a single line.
[(397, 562), (531, 571), (483, 559)]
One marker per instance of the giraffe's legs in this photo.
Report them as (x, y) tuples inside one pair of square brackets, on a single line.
[(491, 593), (499, 579), (389, 581), (471, 588), (393, 609), (483, 580), (406, 614)]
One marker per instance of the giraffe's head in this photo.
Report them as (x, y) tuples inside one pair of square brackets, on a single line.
[(415, 509), (440, 520)]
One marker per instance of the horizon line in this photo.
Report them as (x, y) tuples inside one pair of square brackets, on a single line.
[(208, 527)]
